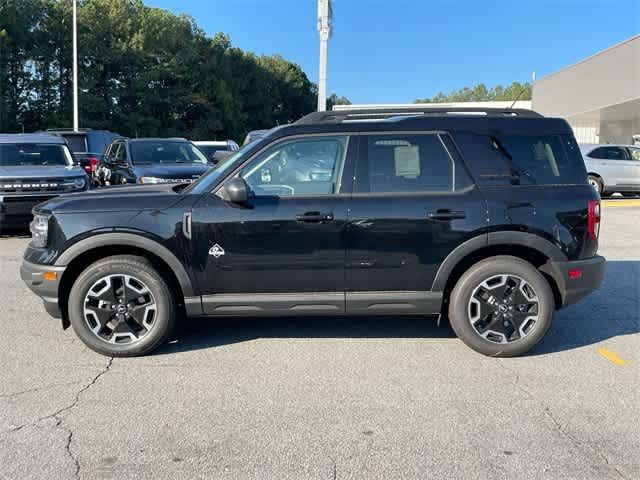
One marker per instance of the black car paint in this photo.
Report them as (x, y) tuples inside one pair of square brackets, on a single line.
[(382, 246), (130, 172)]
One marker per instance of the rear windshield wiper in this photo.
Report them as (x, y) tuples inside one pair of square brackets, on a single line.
[(516, 172)]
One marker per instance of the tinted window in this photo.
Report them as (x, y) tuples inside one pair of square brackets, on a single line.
[(310, 166), (609, 153), (634, 153), (77, 143), (120, 153), (549, 159), (404, 163), (148, 152), (31, 154), (210, 150)]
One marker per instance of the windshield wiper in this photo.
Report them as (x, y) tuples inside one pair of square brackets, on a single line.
[(516, 172)]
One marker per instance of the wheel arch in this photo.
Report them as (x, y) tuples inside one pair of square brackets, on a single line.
[(529, 247), (85, 252)]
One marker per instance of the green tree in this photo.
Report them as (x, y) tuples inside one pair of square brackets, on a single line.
[(334, 99), (142, 71), (480, 93)]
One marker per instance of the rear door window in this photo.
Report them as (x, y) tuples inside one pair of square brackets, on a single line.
[(405, 163)]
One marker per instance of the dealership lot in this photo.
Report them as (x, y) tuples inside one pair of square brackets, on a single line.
[(329, 398)]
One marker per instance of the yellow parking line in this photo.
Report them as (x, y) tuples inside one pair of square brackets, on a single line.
[(621, 203), (612, 357)]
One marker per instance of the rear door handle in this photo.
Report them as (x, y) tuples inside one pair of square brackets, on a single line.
[(446, 214), (314, 217)]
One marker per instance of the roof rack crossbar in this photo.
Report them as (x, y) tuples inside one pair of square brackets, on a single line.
[(385, 113)]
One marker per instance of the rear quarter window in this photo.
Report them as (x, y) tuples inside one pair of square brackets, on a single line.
[(523, 159)]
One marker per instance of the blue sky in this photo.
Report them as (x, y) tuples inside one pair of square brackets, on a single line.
[(399, 50)]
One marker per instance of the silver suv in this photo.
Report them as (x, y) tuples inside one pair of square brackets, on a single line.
[(613, 168)]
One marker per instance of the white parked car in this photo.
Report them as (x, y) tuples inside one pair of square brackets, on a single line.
[(217, 151), (613, 168)]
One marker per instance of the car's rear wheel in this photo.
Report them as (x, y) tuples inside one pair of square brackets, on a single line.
[(596, 183), (501, 306), (120, 306)]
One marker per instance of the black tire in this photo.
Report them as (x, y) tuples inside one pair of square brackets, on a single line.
[(597, 184), (141, 270), (460, 308)]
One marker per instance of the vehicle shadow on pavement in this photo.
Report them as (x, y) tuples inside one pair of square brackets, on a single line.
[(611, 311), (15, 232), (195, 334)]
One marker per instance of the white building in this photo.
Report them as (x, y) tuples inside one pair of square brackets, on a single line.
[(599, 96)]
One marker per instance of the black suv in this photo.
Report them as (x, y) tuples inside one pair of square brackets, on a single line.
[(34, 168), (483, 217), (151, 160)]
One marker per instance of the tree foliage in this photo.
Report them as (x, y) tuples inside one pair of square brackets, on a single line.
[(143, 72), (480, 93), (334, 99)]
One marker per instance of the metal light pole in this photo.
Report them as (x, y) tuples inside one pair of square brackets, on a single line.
[(75, 67), (325, 14)]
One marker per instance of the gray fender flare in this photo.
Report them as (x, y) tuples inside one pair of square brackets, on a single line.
[(524, 239), (130, 240)]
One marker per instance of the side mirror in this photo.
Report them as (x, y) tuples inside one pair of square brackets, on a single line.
[(237, 190)]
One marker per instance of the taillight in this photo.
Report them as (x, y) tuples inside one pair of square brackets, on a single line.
[(593, 218), (93, 164)]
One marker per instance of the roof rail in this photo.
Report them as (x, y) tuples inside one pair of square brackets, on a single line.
[(386, 113), (68, 130)]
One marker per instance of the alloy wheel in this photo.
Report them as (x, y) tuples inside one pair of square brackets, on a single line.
[(120, 309), (503, 309)]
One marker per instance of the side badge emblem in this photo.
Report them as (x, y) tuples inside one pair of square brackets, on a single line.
[(217, 251)]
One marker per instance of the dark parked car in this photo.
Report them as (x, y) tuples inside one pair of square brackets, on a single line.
[(86, 144), (483, 217), (151, 160), (34, 168)]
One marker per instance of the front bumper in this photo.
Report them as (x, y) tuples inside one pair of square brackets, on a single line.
[(33, 275), (574, 289), (15, 211)]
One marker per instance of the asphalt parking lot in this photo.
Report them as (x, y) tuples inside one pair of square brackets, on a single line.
[(329, 398)]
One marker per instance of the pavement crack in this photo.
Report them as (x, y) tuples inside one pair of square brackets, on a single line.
[(36, 389), (75, 401)]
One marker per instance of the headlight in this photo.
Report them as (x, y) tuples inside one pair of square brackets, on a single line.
[(39, 228), (79, 183), (153, 180)]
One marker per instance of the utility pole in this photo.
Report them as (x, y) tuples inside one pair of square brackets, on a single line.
[(325, 14), (75, 67)]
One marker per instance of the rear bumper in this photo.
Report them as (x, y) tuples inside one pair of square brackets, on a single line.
[(15, 211), (33, 275), (574, 289)]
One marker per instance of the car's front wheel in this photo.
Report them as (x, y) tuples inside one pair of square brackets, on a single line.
[(121, 306), (501, 306)]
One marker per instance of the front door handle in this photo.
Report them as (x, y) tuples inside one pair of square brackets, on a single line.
[(314, 217), (446, 214)]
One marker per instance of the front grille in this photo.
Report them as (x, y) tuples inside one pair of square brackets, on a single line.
[(53, 185), (30, 198)]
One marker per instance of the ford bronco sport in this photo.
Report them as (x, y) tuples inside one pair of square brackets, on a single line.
[(483, 217), (34, 167)]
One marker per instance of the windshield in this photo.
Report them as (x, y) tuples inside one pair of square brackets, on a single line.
[(206, 181), (34, 154), (146, 152)]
